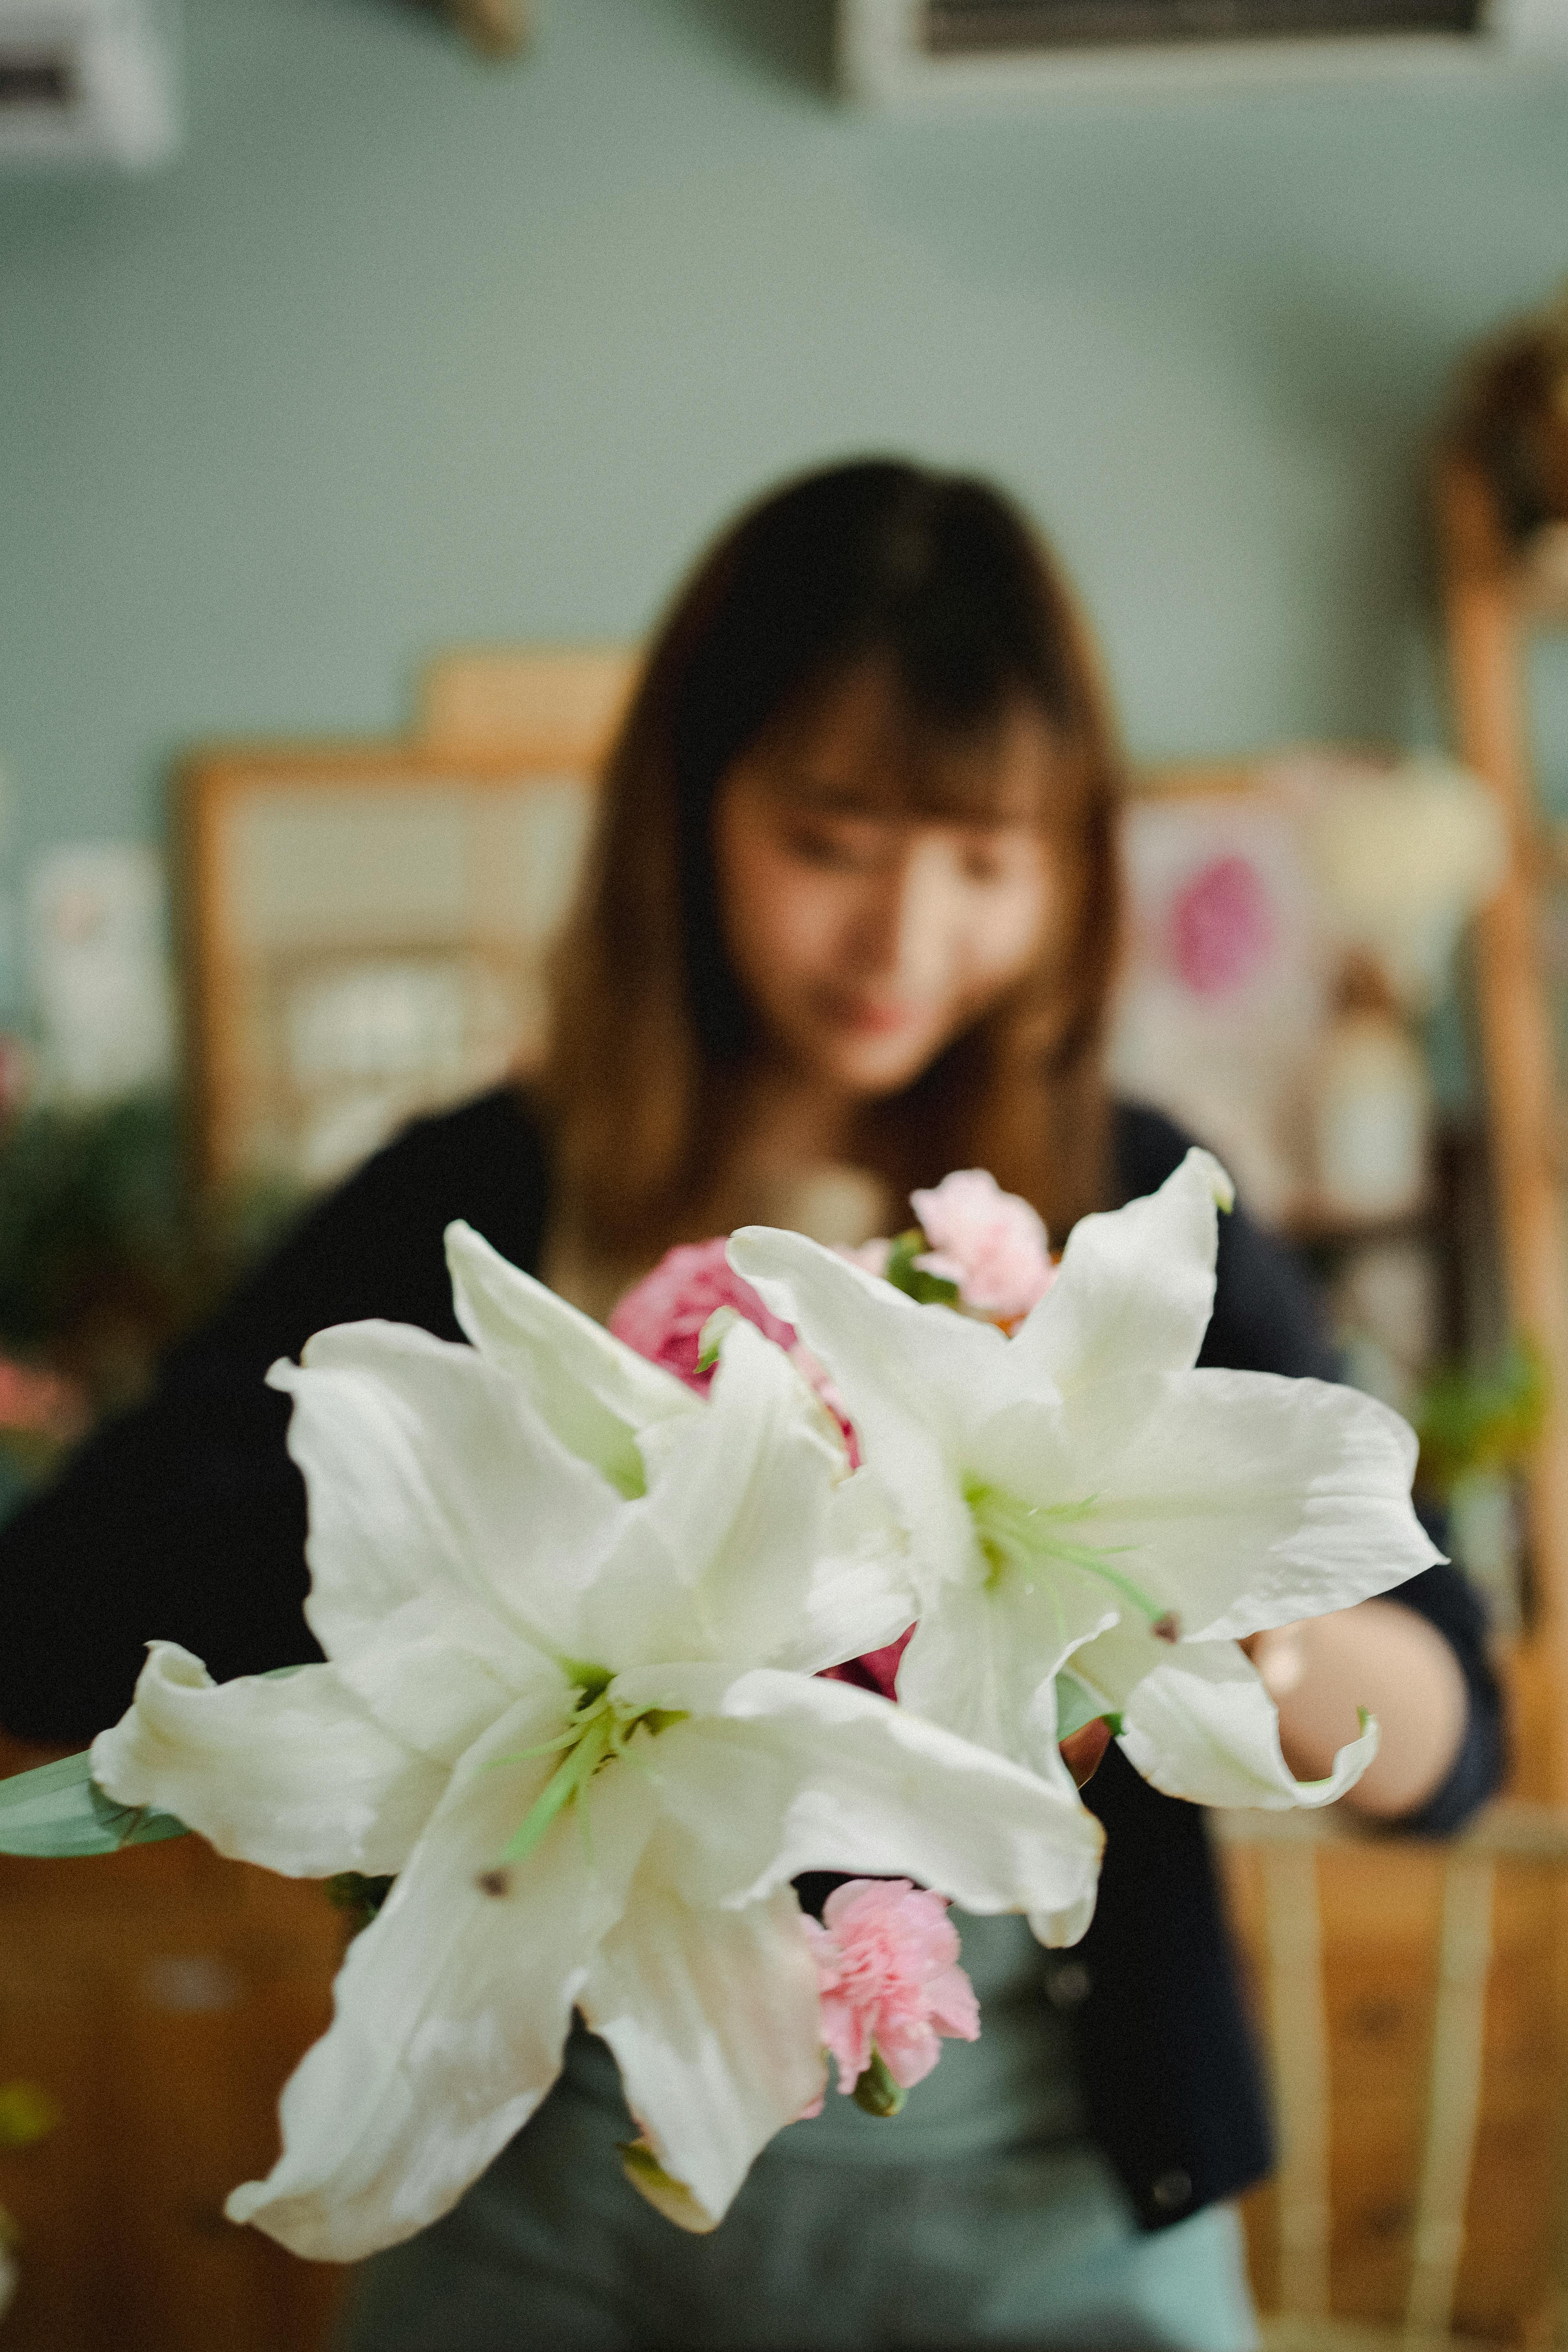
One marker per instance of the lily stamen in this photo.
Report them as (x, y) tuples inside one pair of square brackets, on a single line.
[(598, 1733), (1012, 1533)]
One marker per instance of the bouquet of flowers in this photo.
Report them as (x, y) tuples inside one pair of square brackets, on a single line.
[(809, 1563)]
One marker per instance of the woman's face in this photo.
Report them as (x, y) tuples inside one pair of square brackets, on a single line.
[(867, 934)]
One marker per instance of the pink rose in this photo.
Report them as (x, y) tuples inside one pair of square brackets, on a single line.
[(662, 1316), (876, 1671), (989, 1242), (886, 1967)]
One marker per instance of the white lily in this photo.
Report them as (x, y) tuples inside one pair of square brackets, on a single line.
[(567, 1701), (1082, 1502)]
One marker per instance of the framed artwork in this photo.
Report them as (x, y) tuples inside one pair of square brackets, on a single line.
[(366, 926), (1223, 992), (366, 934), (1288, 923)]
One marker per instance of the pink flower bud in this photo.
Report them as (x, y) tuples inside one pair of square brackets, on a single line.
[(886, 1967)]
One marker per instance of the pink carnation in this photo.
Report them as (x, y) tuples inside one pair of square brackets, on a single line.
[(663, 1315), (870, 1256), (989, 1242), (886, 1967)]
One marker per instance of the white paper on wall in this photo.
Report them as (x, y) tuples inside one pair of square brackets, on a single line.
[(98, 970)]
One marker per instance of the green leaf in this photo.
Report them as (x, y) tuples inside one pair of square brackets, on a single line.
[(361, 1897), (926, 1290), (59, 1810), (1076, 1705)]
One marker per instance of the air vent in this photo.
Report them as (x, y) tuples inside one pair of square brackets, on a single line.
[(935, 50), (87, 82), (986, 28)]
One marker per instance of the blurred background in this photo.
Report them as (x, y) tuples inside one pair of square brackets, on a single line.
[(369, 372)]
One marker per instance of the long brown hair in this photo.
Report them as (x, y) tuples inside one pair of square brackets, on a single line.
[(938, 578)]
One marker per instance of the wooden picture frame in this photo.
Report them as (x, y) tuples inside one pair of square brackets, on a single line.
[(558, 704), (366, 931), (366, 925)]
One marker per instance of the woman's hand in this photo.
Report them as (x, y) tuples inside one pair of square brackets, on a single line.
[(1382, 1657)]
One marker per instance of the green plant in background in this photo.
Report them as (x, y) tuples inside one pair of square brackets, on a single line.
[(1472, 1420), (98, 1253), (106, 1256)]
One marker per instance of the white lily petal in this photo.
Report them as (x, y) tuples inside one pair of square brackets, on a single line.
[(1245, 1500), (450, 2009), (1198, 1723), (288, 1770), (717, 1560), (754, 1543), (716, 2024), (1065, 1925), (983, 1660), (871, 1336), (430, 1475), (836, 1779), (1135, 1288), (916, 1381), (861, 1596), (597, 1393), (431, 1673)]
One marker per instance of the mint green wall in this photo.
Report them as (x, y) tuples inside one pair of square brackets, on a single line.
[(408, 349)]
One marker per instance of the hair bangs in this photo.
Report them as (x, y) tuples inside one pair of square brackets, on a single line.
[(939, 583)]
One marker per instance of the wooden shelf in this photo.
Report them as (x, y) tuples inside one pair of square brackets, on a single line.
[(1493, 600), (1415, 1993), (1318, 1225)]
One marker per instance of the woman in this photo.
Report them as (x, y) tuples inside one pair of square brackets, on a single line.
[(851, 907)]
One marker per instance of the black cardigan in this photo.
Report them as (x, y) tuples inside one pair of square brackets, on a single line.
[(184, 1520)]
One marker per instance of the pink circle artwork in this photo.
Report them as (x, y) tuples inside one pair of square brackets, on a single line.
[(1222, 926)]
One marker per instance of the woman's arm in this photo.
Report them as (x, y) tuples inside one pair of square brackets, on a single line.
[(1381, 1657), (1418, 1658)]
